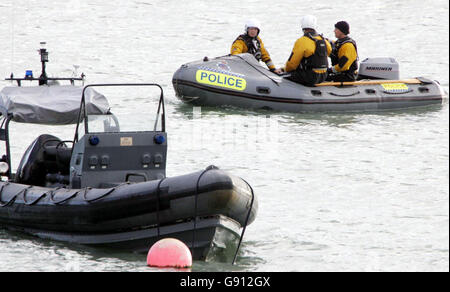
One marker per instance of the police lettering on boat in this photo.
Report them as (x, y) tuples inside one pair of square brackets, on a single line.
[(220, 78)]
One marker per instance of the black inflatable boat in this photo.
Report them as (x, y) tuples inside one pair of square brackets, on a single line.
[(110, 188), (206, 216)]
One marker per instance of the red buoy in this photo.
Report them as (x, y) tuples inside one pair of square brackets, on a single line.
[(169, 252)]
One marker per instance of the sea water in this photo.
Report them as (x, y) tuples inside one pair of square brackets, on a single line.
[(336, 192)]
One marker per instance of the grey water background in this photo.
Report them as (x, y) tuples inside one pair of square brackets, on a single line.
[(337, 192)]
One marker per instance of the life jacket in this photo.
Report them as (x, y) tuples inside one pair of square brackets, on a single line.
[(250, 43), (319, 60), (337, 46)]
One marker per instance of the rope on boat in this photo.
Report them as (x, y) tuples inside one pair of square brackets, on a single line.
[(344, 95), (1, 192), (246, 221), (52, 196), (35, 201), (98, 197), (196, 203), (13, 198), (158, 196), (273, 80)]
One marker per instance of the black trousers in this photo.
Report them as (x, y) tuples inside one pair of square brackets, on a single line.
[(341, 77), (306, 77)]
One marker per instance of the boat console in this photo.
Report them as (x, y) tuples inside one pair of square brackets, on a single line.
[(109, 157), (104, 160)]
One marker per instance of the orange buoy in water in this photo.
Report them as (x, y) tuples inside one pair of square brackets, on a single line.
[(169, 252)]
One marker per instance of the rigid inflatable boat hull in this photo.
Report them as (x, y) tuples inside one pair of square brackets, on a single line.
[(216, 237), (128, 216)]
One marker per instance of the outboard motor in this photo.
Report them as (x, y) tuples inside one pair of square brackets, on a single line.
[(379, 68), (45, 162)]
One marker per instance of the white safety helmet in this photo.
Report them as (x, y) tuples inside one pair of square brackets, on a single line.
[(309, 21), (252, 23)]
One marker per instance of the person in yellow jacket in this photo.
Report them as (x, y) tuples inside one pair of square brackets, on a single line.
[(251, 43), (308, 61), (344, 57)]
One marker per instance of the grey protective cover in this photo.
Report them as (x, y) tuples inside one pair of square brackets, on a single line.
[(52, 105)]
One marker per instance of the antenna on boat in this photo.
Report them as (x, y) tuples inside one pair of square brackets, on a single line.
[(75, 74), (43, 79), (44, 59), (12, 37), (75, 70)]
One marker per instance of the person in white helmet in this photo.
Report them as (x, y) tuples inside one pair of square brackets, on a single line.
[(308, 61), (250, 42)]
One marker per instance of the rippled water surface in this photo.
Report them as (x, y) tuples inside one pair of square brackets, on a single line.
[(346, 192)]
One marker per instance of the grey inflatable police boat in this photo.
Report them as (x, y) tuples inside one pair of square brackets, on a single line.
[(241, 81), (108, 187)]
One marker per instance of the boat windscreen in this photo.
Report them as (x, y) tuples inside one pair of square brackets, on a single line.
[(136, 122), (133, 109)]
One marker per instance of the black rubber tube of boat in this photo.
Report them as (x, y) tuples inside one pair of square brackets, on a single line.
[(63, 200), (28, 203), (1, 192), (158, 195), (195, 204), (13, 198), (8, 148), (246, 221)]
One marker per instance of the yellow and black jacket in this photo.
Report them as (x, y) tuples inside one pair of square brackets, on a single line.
[(304, 54), (344, 57), (245, 44)]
